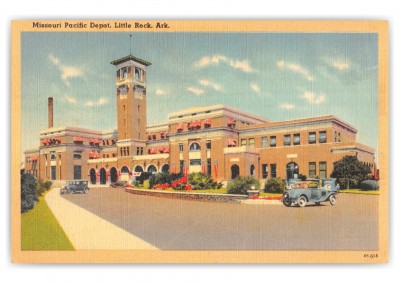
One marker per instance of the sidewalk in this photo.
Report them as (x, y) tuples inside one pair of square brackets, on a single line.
[(88, 231)]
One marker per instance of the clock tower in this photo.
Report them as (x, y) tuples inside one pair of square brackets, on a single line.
[(131, 98)]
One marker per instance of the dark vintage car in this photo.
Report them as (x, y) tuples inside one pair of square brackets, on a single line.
[(305, 192), (119, 183), (75, 186)]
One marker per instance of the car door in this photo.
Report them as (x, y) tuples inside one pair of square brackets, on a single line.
[(315, 194)]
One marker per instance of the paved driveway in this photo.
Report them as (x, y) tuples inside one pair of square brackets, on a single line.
[(171, 224)]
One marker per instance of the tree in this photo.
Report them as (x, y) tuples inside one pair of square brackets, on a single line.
[(275, 185), (28, 192), (350, 172)]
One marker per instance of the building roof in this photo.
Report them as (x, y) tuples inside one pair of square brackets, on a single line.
[(130, 57)]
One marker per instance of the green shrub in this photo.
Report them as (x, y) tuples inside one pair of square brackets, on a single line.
[(348, 183), (202, 181), (146, 184), (43, 186), (241, 185), (28, 192), (369, 185), (275, 185), (302, 177)]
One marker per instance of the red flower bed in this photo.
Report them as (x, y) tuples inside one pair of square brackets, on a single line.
[(161, 186), (266, 198), (130, 186)]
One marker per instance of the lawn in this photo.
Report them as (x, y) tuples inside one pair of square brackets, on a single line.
[(41, 231), (359, 191)]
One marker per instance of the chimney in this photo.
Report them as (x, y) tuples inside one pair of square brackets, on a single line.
[(50, 111)]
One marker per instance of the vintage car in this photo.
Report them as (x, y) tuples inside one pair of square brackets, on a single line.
[(121, 183), (75, 186), (305, 192)]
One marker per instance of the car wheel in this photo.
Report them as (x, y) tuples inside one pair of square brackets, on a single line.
[(302, 201), (332, 199), (286, 201), (86, 190)]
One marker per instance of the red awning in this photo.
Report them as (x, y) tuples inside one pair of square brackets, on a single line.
[(166, 150), (45, 141), (231, 121), (94, 155), (179, 126), (58, 139), (207, 121), (95, 141), (231, 142), (195, 123), (79, 139), (153, 151), (34, 158)]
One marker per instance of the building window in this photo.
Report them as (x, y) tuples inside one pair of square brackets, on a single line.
[(53, 157), (322, 137), (252, 170), (312, 169), (296, 139), (251, 142), (338, 136), (53, 172), (209, 167), (243, 142), (138, 74), (311, 137), (181, 165), (77, 155), (208, 145), (77, 172), (195, 162), (123, 73), (141, 150), (264, 142), (286, 140), (194, 147), (137, 151), (127, 151), (264, 168), (181, 147), (322, 169), (273, 170), (272, 141)]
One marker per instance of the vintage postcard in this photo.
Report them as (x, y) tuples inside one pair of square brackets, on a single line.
[(199, 141)]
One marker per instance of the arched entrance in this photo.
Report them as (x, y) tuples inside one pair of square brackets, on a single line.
[(103, 178), (152, 169), (292, 170), (124, 174), (92, 174), (252, 170), (138, 169), (235, 171), (165, 168), (113, 174)]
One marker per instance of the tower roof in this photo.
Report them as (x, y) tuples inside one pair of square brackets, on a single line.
[(130, 57)]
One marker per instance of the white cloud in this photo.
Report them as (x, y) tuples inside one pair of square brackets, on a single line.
[(195, 91), (242, 65), (340, 65), (215, 86), (66, 71), (100, 102), (255, 87), (70, 100), (161, 92), (314, 99), (287, 106), (296, 68)]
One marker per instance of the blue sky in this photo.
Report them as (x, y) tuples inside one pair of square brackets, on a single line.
[(278, 76)]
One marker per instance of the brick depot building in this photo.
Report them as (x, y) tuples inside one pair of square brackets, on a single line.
[(218, 140)]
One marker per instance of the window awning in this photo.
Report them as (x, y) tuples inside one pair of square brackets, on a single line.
[(153, 151), (79, 139), (166, 150), (34, 158), (231, 121), (231, 142), (45, 141), (94, 155), (195, 123), (58, 139), (207, 121), (95, 141), (179, 126), (163, 149)]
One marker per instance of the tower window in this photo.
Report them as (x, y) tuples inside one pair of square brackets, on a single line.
[(138, 74), (123, 73)]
